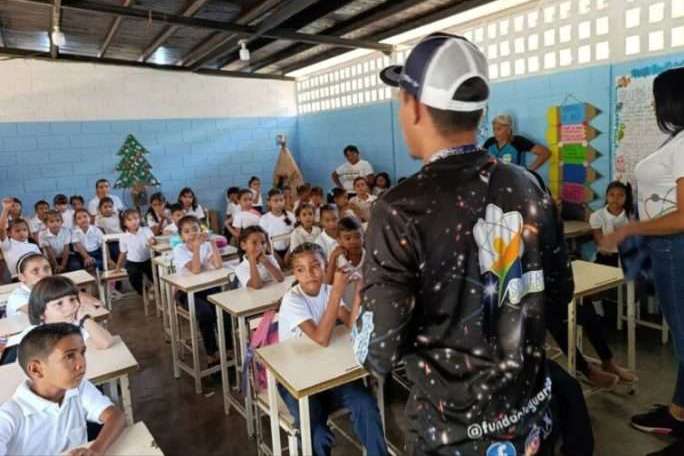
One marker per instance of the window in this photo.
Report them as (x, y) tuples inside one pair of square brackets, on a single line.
[(565, 33), (549, 60), (632, 45), (519, 23), (533, 64), (505, 69), (632, 17), (656, 13), (549, 37), (519, 45), (565, 9), (677, 37), (565, 57), (504, 48), (503, 27), (491, 31), (584, 6), (533, 42), (519, 67), (656, 40), (532, 18), (602, 50), (584, 30), (677, 8), (549, 14), (493, 71), (584, 54), (602, 25)]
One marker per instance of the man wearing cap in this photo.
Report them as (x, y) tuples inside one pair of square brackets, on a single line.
[(461, 259), (511, 148)]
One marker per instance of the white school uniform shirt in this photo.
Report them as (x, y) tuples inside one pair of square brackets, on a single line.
[(13, 250), (243, 275), (232, 209), (657, 177), (297, 307), (245, 219), (151, 222), (170, 229), (182, 255), (56, 242), (36, 225), (327, 243), (348, 172), (32, 425), (94, 204), (91, 240), (275, 225), (299, 236), (135, 246), (110, 225), (68, 219), (17, 299), (364, 205), (377, 191), (197, 212), (355, 271), (606, 222), (256, 198)]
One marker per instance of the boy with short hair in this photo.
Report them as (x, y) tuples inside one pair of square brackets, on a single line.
[(102, 191), (47, 414), (37, 223), (61, 204), (56, 240), (348, 256), (177, 213)]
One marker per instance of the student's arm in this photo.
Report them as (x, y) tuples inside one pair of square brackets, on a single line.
[(52, 258), (121, 261), (64, 262), (336, 179), (274, 270), (113, 421), (87, 259), (542, 154), (102, 339), (598, 236), (332, 264), (254, 276), (216, 260), (4, 217), (195, 265), (322, 332)]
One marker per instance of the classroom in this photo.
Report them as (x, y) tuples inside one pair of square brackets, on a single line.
[(347, 227)]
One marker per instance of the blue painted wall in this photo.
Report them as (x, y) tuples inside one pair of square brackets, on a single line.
[(40, 159)]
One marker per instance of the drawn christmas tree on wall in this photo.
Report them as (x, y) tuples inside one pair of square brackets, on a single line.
[(134, 168)]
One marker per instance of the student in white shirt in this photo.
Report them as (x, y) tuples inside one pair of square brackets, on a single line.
[(232, 208), (38, 221), (247, 216), (255, 186), (108, 218), (349, 254), (354, 167), (313, 307), (614, 215), (195, 255), (30, 268), (158, 215), (316, 201), (328, 237), (48, 412), (87, 241), (258, 265), (382, 184), (102, 188), (176, 213), (278, 222), (188, 201), (344, 207), (56, 240), (306, 230), (15, 239), (134, 252), (61, 204), (363, 200)]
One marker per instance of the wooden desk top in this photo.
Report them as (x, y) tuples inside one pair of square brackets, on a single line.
[(80, 278), (135, 440), (243, 302), (101, 366), (576, 228), (593, 278), (17, 323), (196, 282), (305, 368)]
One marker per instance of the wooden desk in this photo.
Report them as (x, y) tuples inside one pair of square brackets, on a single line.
[(241, 304), (576, 228), (81, 278), (135, 440), (592, 278), (290, 363), (191, 284), (17, 323), (110, 366)]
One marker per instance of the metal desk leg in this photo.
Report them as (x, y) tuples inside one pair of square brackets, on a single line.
[(171, 311), (249, 406), (273, 412), (196, 371), (155, 284), (305, 426), (223, 355), (631, 326), (572, 336), (126, 400)]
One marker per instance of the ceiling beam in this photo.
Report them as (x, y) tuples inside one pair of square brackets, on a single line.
[(29, 54), (375, 14), (191, 9), (425, 19), (275, 19), (3, 40), (112, 31), (244, 30), (55, 20)]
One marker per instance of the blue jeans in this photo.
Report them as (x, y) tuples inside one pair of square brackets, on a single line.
[(353, 397), (667, 259)]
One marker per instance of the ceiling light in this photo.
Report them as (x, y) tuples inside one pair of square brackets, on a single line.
[(244, 52), (57, 37)]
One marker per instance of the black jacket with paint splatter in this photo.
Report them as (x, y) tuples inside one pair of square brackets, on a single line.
[(463, 305)]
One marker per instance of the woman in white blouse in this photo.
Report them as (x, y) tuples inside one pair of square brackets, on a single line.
[(660, 191)]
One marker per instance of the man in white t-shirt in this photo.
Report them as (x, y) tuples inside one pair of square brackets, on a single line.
[(354, 167), (101, 190)]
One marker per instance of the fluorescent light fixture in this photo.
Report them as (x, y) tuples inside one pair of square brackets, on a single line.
[(443, 24)]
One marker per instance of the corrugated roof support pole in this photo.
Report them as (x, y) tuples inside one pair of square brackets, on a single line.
[(112, 31), (54, 25)]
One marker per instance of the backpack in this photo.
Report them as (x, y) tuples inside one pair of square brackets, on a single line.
[(265, 334)]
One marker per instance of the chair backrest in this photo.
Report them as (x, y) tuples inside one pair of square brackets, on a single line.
[(106, 239)]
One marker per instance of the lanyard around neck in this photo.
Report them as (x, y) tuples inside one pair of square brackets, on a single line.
[(451, 151)]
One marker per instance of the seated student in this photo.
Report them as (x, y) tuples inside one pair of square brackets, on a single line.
[(158, 216), (328, 237), (14, 211), (86, 240), (344, 207), (134, 252), (194, 255), (107, 218), (316, 201), (188, 201), (277, 222), (258, 265), (289, 198), (232, 208), (313, 307), (60, 203), (77, 202), (176, 212), (363, 199), (48, 412), (247, 216), (382, 184), (349, 254), (303, 195), (15, 239), (305, 229), (101, 191), (37, 223), (254, 185), (56, 240)]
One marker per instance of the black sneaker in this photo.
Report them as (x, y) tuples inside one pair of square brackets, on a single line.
[(658, 421)]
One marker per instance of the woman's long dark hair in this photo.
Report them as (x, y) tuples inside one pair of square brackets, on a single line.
[(668, 93)]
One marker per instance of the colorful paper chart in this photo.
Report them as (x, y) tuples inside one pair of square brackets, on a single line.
[(574, 154)]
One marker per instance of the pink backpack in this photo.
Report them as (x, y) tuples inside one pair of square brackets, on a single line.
[(265, 334)]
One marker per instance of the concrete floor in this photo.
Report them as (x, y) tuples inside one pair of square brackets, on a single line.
[(184, 423)]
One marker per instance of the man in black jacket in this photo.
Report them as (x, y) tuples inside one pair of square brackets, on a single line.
[(461, 259)]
